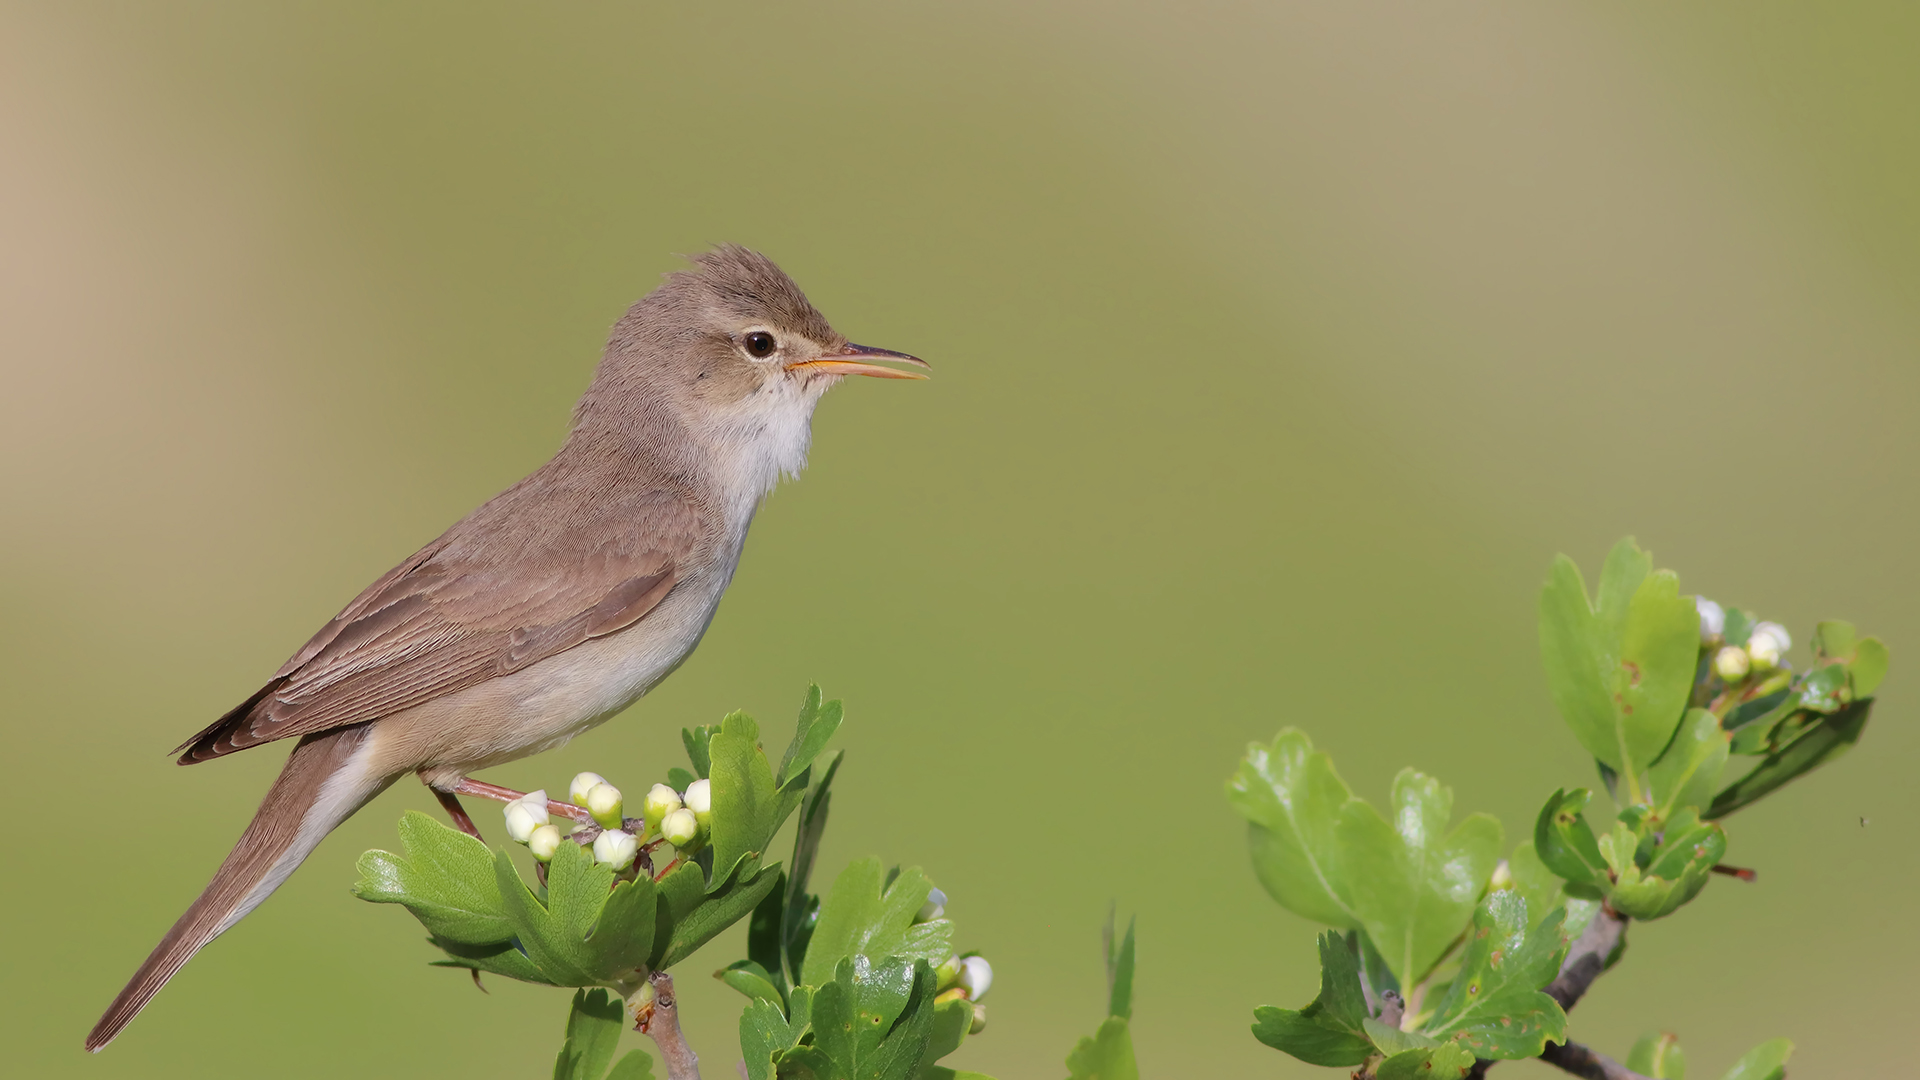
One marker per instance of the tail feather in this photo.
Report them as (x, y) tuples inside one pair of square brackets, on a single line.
[(323, 783)]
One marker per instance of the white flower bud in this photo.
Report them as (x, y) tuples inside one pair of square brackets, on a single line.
[(1768, 642), (661, 800), (1502, 877), (525, 814), (1713, 618), (616, 848), (935, 906), (603, 802), (976, 976), (577, 791), (1732, 663), (979, 1020), (680, 828), (699, 799), (544, 841)]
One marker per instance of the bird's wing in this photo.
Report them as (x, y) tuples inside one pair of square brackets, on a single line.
[(498, 592)]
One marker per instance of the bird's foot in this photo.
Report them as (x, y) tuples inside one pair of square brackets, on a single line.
[(451, 804)]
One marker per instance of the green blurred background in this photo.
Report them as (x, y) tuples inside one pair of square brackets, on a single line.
[(1278, 348)]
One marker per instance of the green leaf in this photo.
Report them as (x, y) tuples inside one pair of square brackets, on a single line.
[(1413, 884), (1825, 688), (680, 779), (796, 930), (872, 1020), (1494, 1005), (1657, 1056), (1448, 1061), (695, 924), (752, 980), (1331, 1030), (1545, 892), (952, 1020), (1565, 843), (502, 958), (1390, 1040), (697, 740), (1621, 668), (744, 798), (1291, 798), (636, 1065), (1679, 867), (1106, 1055), (765, 937), (1833, 736), (1119, 972), (1688, 772), (1868, 667), (1768, 1061), (585, 934), (859, 917), (593, 1033), (765, 1034), (818, 721), (445, 880)]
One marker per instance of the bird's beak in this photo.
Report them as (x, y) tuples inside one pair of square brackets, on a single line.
[(854, 360)]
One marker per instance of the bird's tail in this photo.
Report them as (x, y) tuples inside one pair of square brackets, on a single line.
[(325, 780)]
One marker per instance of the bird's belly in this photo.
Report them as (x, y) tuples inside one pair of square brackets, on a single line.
[(547, 703)]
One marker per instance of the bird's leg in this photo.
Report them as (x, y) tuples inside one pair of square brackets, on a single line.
[(451, 804), (481, 789)]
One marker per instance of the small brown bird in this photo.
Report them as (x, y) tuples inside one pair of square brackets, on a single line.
[(552, 607)]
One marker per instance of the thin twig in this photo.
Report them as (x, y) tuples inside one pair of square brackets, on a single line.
[(1583, 1062), (662, 1024)]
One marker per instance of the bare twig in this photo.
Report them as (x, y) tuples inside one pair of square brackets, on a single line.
[(1583, 1062), (662, 1024)]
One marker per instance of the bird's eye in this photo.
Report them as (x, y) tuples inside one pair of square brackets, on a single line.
[(760, 343)]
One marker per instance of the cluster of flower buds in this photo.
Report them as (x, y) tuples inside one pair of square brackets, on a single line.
[(966, 976), (1767, 643), (681, 818)]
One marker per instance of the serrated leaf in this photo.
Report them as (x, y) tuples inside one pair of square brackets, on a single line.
[(585, 933), (872, 1021), (952, 1020), (680, 779), (711, 914), (1565, 842), (1833, 736), (1494, 1005), (1620, 667), (1413, 884), (697, 740), (1768, 1061), (745, 801), (1444, 1062), (1390, 1040), (861, 917), (1331, 1030), (1106, 1055), (1291, 798), (1679, 867), (593, 1033), (445, 879), (1657, 1056), (765, 1034), (1689, 771), (1545, 892), (818, 721)]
